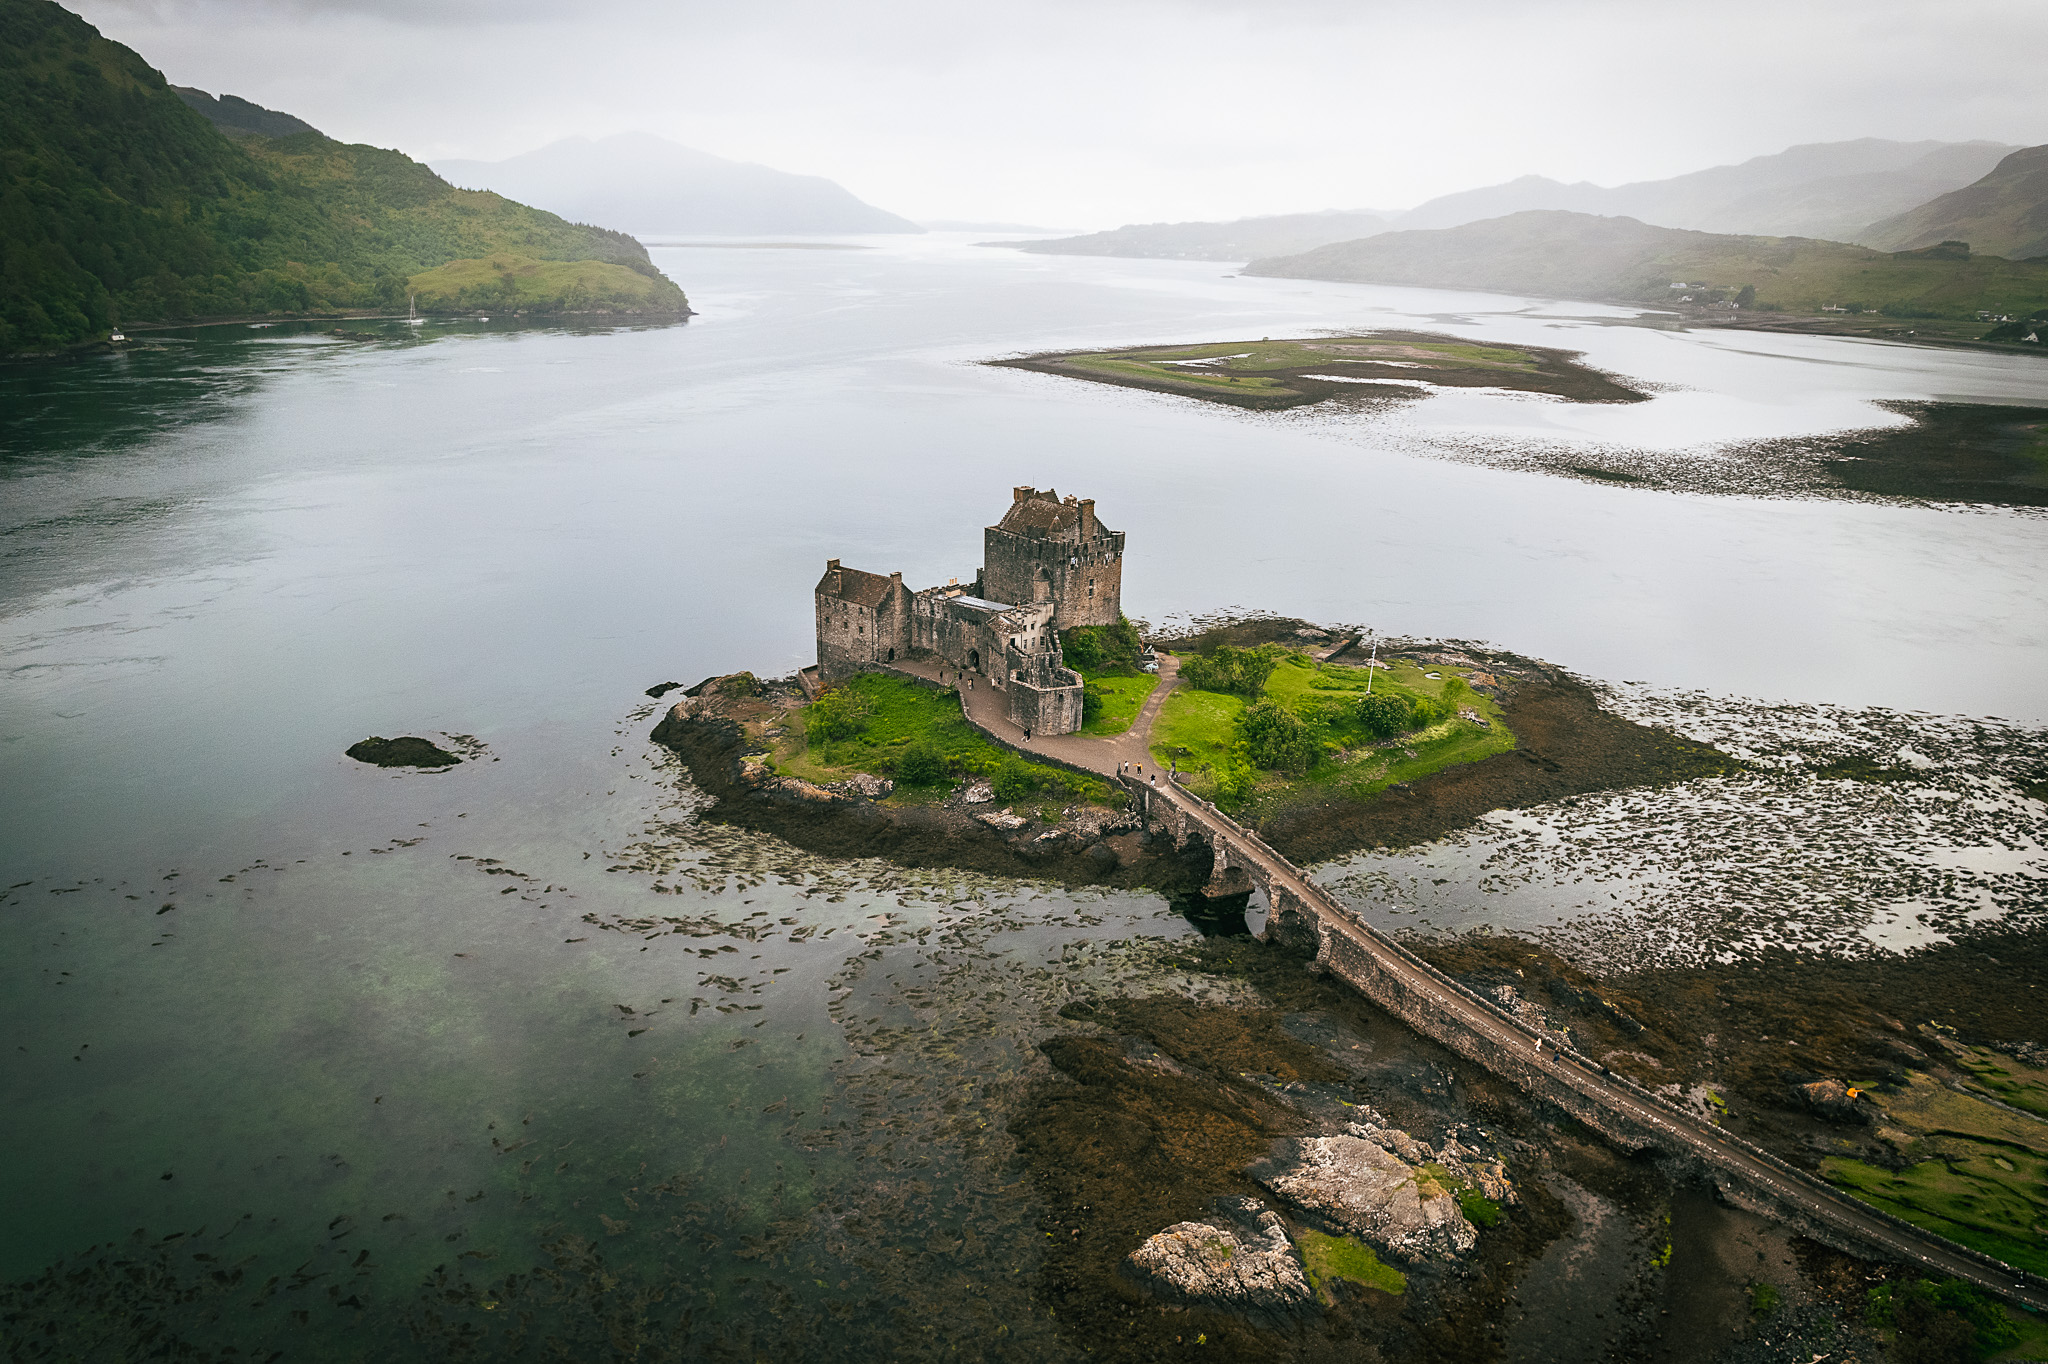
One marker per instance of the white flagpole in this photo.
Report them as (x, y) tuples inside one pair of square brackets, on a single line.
[(1372, 665)]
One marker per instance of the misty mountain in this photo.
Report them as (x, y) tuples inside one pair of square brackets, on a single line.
[(2003, 214), (1829, 190), (1245, 239), (233, 114), (660, 186), (1823, 189), (1555, 253)]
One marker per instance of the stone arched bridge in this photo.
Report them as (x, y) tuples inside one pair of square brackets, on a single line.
[(1304, 915)]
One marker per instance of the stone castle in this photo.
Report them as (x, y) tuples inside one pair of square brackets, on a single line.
[(1047, 566)]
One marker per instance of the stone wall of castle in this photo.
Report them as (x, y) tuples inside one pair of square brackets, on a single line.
[(1085, 577)]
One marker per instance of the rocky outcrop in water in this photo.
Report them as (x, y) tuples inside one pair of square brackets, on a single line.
[(410, 751), (1360, 1184), (1240, 1261)]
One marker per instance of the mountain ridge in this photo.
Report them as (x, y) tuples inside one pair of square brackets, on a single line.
[(2005, 213), (1558, 253), (655, 185)]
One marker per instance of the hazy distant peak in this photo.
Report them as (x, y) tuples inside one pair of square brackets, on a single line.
[(658, 186)]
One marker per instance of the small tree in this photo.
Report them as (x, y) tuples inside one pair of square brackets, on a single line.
[(922, 764), (839, 714), (1013, 781), (1384, 714), (1275, 737), (1234, 671)]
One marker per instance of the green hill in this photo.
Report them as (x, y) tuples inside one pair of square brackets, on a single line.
[(1559, 254), (2005, 213), (119, 203)]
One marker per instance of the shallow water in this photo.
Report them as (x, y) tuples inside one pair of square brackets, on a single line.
[(227, 559)]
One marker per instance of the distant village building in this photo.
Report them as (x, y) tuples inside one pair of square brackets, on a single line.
[(1047, 566)]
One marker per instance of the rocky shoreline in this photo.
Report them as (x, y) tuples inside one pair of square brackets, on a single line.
[(1087, 846)]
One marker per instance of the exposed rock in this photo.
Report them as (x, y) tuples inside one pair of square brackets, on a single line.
[(1003, 820), (410, 751), (1241, 1261), (979, 793), (661, 689), (1831, 1099), (1358, 1184), (865, 784)]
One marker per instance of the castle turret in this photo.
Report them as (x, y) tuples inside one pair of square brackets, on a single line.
[(1049, 548)]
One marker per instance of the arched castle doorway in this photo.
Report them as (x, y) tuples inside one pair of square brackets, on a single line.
[(974, 660)]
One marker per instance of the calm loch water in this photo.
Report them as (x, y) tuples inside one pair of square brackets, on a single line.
[(394, 1041)]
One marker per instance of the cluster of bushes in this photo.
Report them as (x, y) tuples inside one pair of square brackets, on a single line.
[(838, 715), (1383, 714), (1102, 648), (1944, 1322), (1233, 671), (1274, 737)]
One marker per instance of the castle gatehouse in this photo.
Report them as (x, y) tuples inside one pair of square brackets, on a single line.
[(1047, 566)]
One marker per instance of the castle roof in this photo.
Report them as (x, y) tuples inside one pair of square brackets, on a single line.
[(1040, 514), (853, 586)]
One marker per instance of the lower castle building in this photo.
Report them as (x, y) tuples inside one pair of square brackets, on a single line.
[(1047, 566)]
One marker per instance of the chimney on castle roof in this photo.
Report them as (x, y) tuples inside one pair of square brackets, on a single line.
[(1022, 494), (1087, 518), (896, 579), (831, 563)]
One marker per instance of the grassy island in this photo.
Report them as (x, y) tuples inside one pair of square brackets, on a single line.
[(1270, 374)]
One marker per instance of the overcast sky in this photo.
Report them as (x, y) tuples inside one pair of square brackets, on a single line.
[(1090, 113)]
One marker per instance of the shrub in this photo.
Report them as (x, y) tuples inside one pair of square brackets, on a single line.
[(1940, 1321), (1102, 647), (1275, 737), (738, 685), (1384, 714), (839, 714), (922, 764), (1235, 671), (1091, 706), (1235, 779), (1013, 781)]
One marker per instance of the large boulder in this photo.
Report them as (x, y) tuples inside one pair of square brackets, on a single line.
[(1241, 1261), (1357, 1184)]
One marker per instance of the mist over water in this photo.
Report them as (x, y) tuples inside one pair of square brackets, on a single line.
[(228, 559)]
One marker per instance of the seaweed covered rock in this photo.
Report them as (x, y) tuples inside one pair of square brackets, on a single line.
[(410, 751), (1357, 1185), (1240, 1261)]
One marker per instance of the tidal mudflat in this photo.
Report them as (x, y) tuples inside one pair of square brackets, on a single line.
[(233, 557)]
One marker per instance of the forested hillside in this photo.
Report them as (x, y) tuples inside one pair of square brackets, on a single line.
[(120, 204)]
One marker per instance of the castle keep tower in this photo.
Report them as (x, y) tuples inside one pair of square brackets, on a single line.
[(1051, 549), (1048, 566)]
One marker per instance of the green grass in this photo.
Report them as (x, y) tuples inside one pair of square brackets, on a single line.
[(1195, 728), (538, 286), (1204, 725), (1122, 698), (2033, 1333), (1965, 1196), (904, 713), (2006, 1080), (1340, 1257), (1976, 1173)]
